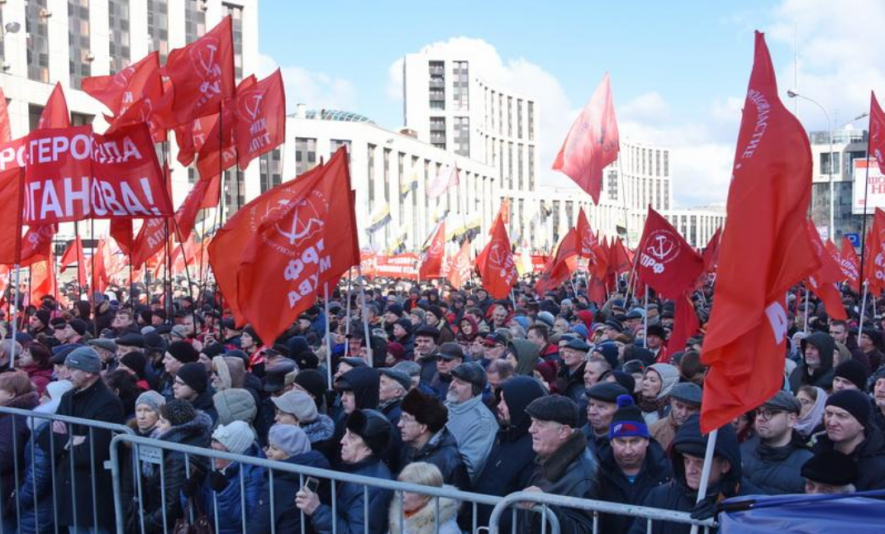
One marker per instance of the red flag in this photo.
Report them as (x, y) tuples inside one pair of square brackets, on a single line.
[(74, 254), (562, 264), (239, 231), (685, 324), (191, 137), (588, 245), (261, 118), (848, 262), (823, 282), (496, 267), (150, 241), (202, 75), (432, 264), (121, 231), (618, 257), (186, 215), (592, 142), (121, 90), (460, 270), (11, 194), (219, 151), (43, 280), (874, 263), (297, 249), (877, 131), (100, 276), (5, 125), (747, 333), (55, 113), (667, 262), (711, 251)]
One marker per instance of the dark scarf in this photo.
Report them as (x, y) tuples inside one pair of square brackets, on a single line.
[(653, 405)]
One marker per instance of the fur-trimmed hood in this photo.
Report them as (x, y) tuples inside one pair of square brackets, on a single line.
[(422, 521), (321, 429)]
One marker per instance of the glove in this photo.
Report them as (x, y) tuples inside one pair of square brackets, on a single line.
[(705, 509), (191, 486), (217, 481)]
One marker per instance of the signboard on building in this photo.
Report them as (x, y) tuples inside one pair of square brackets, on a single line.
[(876, 189)]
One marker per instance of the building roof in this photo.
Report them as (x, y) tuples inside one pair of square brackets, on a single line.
[(336, 115)]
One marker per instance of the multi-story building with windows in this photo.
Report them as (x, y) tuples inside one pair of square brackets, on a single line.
[(64, 41)]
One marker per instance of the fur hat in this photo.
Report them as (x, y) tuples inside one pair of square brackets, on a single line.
[(373, 427), (426, 410)]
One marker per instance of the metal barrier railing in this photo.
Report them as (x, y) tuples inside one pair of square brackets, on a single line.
[(596, 507), (25, 478), (151, 450)]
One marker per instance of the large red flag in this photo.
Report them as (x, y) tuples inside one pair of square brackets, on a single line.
[(191, 137), (121, 231), (186, 215), (55, 113), (150, 240), (459, 271), (297, 249), (261, 118), (202, 76), (877, 131), (711, 252), (121, 90), (685, 324), (240, 230), (848, 262), (823, 282), (561, 265), (588, 245), (11, 195), (219, 151), (100, 260), (874, 263), (74, 254), (432, 264), (666, 261), (497, 268), (767, 201), (5, 125), (43, 279), (592, 142)]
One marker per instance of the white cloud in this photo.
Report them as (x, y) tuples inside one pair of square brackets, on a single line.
[(316, 90), (647, 108), (395, 80)]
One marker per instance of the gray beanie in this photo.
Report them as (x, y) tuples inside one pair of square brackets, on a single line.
[(84, 359), (236, 437), (290, 439), (151, 399), (235, 405)]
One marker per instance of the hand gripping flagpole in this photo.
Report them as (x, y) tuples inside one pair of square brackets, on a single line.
[(705, 473)]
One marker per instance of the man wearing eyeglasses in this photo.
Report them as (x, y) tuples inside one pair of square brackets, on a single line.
[(773, 458)]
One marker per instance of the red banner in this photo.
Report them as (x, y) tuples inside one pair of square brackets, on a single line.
[(404, 266), (73, 174), (261, 118)]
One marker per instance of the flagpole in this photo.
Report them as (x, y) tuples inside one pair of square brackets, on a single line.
[(863, 232), (328, 336), (15, 290), (863, 306), (347, 311), (645, 319), (805, 304), (365, 313), (705, 473), (92, 288)]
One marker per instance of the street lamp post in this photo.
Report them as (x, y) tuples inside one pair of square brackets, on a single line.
[(794, 94)]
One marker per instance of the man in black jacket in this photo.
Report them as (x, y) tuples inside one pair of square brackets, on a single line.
[(570, 378), (773, 458), (687, 460), (633, 465), (511, 462), (426, 438), (86, 451), (602, 404)]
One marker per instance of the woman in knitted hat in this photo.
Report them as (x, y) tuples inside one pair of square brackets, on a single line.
[(179, 423), (654, 398), (289, 444), (365, 440), (147, 413), (418, 512), (223, 486)]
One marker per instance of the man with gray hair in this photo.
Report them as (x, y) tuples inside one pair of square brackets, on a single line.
[(470, 421)]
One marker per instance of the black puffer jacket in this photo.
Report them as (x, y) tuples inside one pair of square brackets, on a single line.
[(442, 451), (775, 470), (822, 377), (614, 486), (194, 433), (677, 495), (285, 485), (511, 462), (571, 384), (869, 455)]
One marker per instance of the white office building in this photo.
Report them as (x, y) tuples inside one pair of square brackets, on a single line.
[(51, 41)]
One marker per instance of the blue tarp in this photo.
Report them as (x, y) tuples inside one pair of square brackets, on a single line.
[(806, 514)]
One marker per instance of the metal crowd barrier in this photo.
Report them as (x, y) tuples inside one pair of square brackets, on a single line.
[(597, 507), (14, 524), (151, 450)]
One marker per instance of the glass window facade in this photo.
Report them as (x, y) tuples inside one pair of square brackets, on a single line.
[(80, 62), (118, 25), (271, 166), (305, 154), (236, 13), (462, 136), (158, 27), (37, 30), (461, 86), (194, 20)]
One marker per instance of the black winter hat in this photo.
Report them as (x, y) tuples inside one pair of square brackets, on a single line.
[(854, 372), (853, 402), (557, 408), (131, 340), (78, 326), (195, 376), (473, 374), (406, 325), (154, 342), (183, 351), (313, 382), (428, 331), (395, 309), (373, 427), (44, 316), (426, 410), (606, 392), (831, 467), (136, 361), (437, 311), (656, 330), (178, 412)]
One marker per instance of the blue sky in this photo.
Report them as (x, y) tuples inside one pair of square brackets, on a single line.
[(679, 69)]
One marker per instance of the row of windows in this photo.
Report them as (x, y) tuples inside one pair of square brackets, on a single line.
[(494, 115), (654, 162)]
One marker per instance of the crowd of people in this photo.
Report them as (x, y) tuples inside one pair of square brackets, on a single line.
[(544, 393)]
